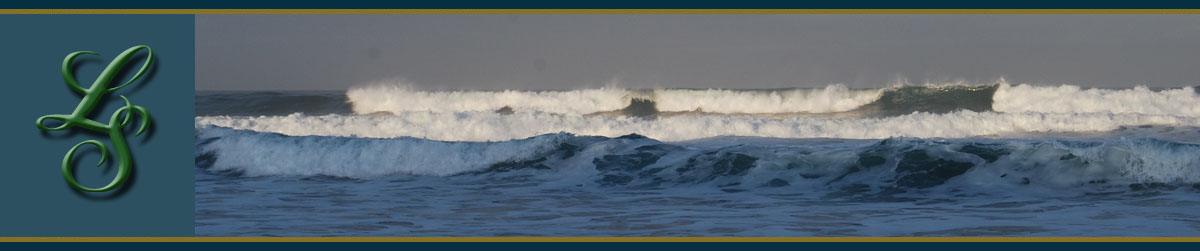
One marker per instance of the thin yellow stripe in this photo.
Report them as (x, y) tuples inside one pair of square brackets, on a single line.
[(599, 239), (599, 11)]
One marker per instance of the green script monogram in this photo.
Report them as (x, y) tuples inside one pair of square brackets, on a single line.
[(91, 97)]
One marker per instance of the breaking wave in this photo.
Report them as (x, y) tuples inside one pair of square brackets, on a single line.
[(892, 101), (490, 126), (1074, 99), (638, 161)]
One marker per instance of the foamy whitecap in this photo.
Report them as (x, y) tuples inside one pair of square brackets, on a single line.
[(490, 126), (396, 99), (833, 98), (1074, 99)]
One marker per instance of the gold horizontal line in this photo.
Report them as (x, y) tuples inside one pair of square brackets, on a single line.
[(599, 11), (599, 239)]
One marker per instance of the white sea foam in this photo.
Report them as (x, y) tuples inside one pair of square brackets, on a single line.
[(832, 98), (1160, 161), (397, 99), (489, 126), (1067, 164), (1074, 99)]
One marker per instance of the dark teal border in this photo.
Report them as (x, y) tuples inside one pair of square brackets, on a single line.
[(618, 4)]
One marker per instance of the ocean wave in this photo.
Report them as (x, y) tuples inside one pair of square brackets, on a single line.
[(397, 99), (211, 103), (640, 162), (832, 98), (256, 153), (490, 126), (1074, 99), (836, 100)]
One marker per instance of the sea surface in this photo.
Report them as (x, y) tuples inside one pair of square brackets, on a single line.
[(935, 160)]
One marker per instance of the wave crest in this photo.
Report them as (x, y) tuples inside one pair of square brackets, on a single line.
[(256, 153), (1074, 99), (637, 161), (485, 126), (397, 99), (832, 98)]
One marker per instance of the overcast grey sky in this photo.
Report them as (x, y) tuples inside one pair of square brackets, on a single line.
[(335, 52)]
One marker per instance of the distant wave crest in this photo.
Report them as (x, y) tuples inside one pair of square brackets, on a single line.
[(1074, 99), (891, 101)]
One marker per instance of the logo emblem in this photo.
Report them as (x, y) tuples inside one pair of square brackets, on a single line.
[(91, 97)]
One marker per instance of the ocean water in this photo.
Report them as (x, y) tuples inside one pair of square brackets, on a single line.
[(944, 160)]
